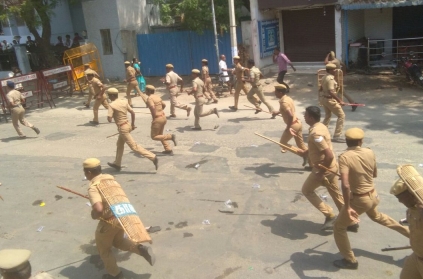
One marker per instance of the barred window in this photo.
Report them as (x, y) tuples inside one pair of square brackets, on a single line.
[(106, 41)]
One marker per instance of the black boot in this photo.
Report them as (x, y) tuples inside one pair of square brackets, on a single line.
[(147, 254)]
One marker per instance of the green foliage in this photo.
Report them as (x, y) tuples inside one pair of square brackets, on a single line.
[(196, 14)]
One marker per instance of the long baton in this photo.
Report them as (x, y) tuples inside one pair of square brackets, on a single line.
[(118, 134), (396, 248), (261, 110), (357, 105), (326, 169), (289, 148)]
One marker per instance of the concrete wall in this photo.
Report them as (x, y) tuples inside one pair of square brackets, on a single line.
[(103, 14), (378, 25), (137, 15), (61, 22), (257, 15), (246, 37), (77, 16), (355, 25)]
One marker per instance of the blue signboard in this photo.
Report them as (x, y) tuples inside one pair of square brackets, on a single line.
[(269, 36), (123, 209)]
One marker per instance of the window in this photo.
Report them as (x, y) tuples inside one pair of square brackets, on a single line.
[(106, 41)]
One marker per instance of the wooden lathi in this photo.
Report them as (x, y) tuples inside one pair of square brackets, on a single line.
[(412, 179), (123, 211)]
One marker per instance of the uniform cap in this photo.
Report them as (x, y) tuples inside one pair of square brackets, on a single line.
[(169, 66), (89, 72), (127, 63), (354, 134), (91, 163), (330, 66), (10, 84), (150, 87), (87, 65), (237, 57), (280, 86), (398, 187), (112, 91), (195, 71), (204, 60), (13, 258)]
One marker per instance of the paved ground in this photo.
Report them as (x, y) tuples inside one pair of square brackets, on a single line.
[(273, 232)]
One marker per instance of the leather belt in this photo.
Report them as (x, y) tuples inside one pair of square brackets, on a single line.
[(16, 106), (327, 97), (295, 122), (132, 79), (199, 96), (157, 116), (170, 87), (256, 86), (362, 195), (120, 125), (110, 218)]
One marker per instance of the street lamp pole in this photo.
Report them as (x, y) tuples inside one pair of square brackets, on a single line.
[(215, 33), (232, 23)]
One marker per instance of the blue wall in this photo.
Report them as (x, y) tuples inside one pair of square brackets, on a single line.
[(184, 49)]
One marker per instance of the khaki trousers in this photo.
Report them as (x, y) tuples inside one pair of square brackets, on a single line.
[(125, 137), (174, 101), (18, 115), (413, 268), (330, 181), (90, 94), (258, 91), (208, 86), (332, 106), (97, 104), (286, 136), (240, 85), (157, 127), (364, 204), (198, 111), (108, 236), (131, 86)]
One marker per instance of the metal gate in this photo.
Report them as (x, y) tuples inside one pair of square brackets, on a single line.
[(184, 50)]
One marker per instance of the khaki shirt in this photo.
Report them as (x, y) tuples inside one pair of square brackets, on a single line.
[(360, 165), (198, 84), (118, 109), (239, 71), (91, 71), (172, 79), (336, 62), (286, 104), (130, 74), (14, 97), (255, 76), (415, 220), (205, 72), (95, 196), (157, 103), (318, 140), (97, 85), (328, 84)]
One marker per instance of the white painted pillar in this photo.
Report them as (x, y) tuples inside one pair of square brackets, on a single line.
[(281, 40), (22, 58), (338, 34), (254, 32)]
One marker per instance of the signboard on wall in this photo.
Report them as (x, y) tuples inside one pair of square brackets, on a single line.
[(268, 36)]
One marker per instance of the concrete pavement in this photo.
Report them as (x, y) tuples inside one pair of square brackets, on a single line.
[(273, 233)]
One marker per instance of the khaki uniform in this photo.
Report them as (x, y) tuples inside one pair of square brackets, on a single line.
[(158, 123), (413, 265), (287, 104), (319, 140), (99, 99), (198, 84), (338, 66), (331, 105), (240, 85), (257, 89), (360, 165), (133, 84), (208, 86), (172, 79), (108, 235), (18, 112), (118, 109), (90, 88)]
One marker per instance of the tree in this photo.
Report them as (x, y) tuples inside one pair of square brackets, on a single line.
[(35, 13), (196, 15)]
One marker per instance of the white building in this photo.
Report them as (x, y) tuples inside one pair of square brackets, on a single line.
[(112, 25)]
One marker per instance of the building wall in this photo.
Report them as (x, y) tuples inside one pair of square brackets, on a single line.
[(378, 25), (355, 25), (61, 22), (137, 15), (257, 15), (77, 17), (246, 37), (338, 34), (103, 14)]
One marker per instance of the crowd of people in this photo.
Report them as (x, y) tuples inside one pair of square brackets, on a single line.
[(356, 167)]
